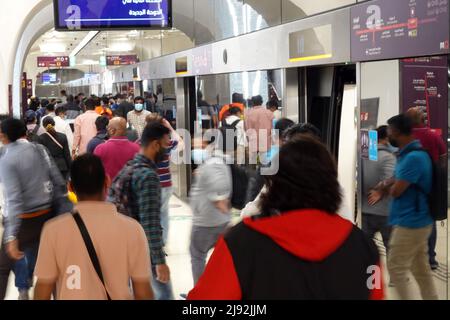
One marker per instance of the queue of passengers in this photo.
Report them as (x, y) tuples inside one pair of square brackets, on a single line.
[(113, 231)]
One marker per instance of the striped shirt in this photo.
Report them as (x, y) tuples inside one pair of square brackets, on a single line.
[(164, 167), (146, 203)]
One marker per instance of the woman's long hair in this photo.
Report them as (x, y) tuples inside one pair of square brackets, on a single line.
[(49, 125), (307, 179)]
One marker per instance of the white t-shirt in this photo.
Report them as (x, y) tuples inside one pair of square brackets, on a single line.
[(240, 131)]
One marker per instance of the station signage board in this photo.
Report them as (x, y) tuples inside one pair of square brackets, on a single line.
[(387, 29), (202, 60), (112, 14), (53, 62), (425, 85), (121, 60)]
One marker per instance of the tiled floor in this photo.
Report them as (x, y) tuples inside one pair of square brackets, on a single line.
[(179, 259)]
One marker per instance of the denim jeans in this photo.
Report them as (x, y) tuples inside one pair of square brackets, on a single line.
[(162, 291), (166, 194), (24, 268)]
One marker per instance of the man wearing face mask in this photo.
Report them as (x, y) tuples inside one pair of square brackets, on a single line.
[(409, 213), (144, 199), (136, 118)]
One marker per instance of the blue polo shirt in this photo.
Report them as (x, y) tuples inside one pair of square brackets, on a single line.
[(411, 210)]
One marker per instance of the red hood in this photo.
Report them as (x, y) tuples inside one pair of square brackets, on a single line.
[(311, 235)]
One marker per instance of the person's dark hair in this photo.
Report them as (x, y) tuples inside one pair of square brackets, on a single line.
[(60, 109), (101, 123), (153, 131), (237, 98), (402, 124), (382, 132), (49, 125), (120, 96), (3, 117), (34, 104), (307, 179), (44, 103), (87, 175), (90, 104), (234, 111), (70, 98), (283, 124), (257, 100), (105, 100), (48, 121), (14, 129), (63, 92), (139, 99), (50, 107), (301, 129), (273, 104)]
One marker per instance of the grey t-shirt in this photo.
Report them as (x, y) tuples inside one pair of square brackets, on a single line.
[(212, 183), (373, 172)]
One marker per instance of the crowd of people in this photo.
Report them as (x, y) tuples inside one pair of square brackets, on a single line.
[(87, 208)]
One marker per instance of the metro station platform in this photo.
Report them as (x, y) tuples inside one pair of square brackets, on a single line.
[(180, 263)]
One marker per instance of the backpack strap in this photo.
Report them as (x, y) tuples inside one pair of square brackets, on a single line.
[(54, 140), (36, 129), (90, 248), (234, 124)]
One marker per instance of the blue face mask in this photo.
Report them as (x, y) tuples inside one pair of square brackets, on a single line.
[(199, 156), (138, 107)]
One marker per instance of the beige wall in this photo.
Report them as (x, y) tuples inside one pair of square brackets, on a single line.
[(13, 17)]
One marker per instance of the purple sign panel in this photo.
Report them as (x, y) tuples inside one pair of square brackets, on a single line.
[(121, 60), (53, 62), (425, 85), (389, 29)]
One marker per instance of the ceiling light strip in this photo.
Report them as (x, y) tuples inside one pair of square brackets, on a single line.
[(91, 35)]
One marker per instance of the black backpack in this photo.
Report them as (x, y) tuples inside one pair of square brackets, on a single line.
[(437, 198), (240, 186), (120, 192), (228, 131), (32, 135)]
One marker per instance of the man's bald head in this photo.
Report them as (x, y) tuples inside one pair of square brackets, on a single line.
[(416, 116), (117, 127)]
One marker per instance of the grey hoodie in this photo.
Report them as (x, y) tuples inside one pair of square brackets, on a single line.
[(373, 173)]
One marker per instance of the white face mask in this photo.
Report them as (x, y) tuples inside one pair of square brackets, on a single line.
[(138, 107)]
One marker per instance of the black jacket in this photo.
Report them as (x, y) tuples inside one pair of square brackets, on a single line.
[(299, 255), (61, 157)]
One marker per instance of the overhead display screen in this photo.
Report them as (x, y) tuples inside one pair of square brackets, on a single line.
[(48, 78), (112, 14), (388, 29)]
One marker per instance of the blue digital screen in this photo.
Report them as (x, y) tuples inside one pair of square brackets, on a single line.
[(373, 145), (112, 14), (48, 78)]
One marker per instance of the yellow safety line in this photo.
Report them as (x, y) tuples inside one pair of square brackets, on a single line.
[(320, 56)]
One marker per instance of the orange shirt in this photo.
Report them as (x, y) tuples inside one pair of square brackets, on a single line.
[(225, 109), (104, 111)]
